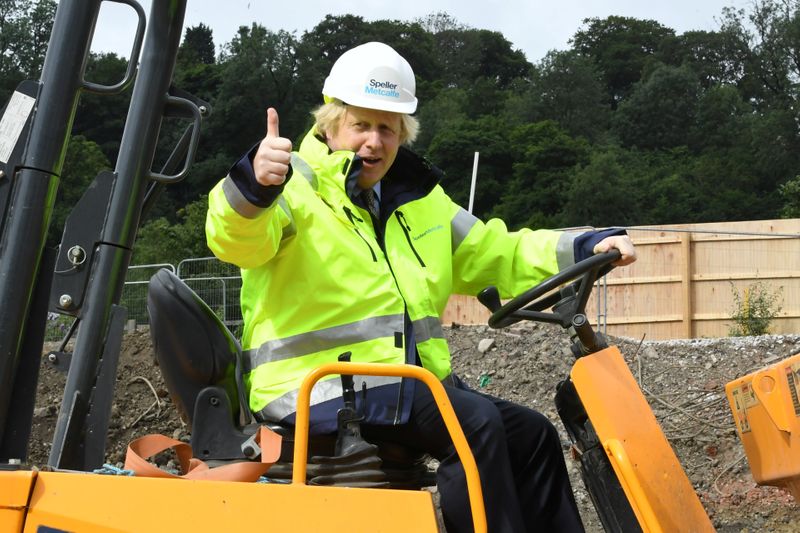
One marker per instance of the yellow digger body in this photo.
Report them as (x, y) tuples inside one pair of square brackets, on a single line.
[(766, 407), (79, 502), (661, 495), (82, 502)]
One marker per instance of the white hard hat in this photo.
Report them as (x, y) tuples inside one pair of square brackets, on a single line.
[(375, 76)]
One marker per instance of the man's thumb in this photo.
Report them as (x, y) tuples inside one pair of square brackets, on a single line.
[(272, 123)]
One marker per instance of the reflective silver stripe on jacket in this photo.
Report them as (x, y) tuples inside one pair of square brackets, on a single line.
[(237, 201), (323, 391), (565, 253), (460, 226), (428, 328), (299, 165), (323, 339), (291, 229)]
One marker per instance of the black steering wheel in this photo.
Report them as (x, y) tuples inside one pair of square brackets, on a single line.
[(567, 303)]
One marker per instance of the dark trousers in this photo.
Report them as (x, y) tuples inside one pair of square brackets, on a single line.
[(518, 453)]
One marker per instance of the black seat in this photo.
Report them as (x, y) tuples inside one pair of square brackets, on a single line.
[(200, 360)]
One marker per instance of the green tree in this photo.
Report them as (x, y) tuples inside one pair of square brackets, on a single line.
[(258, 70), (101, 118), (197, 46), (716, 57), (719, 119), (160, 241), (437, 114), (464, 54), (24, 34), (453, 149), (83, 161), (621, 47), (660, 111), (790, 193), (545, 159), (772, 32), (773, 147), (567, 88), (605, 192)]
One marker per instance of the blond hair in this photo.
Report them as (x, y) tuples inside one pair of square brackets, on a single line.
[(329, 115)]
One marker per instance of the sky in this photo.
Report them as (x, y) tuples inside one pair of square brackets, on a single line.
[(532, 26)]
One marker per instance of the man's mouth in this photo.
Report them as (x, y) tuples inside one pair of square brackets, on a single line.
[(371, 160)]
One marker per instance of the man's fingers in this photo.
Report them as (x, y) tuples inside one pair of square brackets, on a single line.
[(621, 243), (272, 123), (272, 160)]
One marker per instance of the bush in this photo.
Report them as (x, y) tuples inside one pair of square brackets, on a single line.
[(755, 309)]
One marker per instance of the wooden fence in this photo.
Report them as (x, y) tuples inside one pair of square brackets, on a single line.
[(685, 278)]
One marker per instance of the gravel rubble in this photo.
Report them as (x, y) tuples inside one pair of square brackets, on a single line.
[(683, 380)]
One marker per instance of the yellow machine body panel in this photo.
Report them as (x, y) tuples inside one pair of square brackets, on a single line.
[(91, 503), (656, 486), (766, 407), (87, 503), (15, 488)]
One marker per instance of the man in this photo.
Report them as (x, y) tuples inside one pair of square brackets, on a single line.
[(350, 244)]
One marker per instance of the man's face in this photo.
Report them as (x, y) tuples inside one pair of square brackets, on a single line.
[(374, 136)]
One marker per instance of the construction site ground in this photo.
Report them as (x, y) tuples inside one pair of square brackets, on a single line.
[(683, 381)]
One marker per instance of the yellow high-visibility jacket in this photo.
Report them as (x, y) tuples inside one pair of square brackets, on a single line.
[(320, 276)]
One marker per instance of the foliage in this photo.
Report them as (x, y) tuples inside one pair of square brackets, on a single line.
[(24, 34), (453, 149), (160, 241), (567, 88), (754, 309), (547, 157), (602, 194), (197, 46), (621, 47), (790, 192), (660, 109), (633, 123), (101, 118), (83, 161)]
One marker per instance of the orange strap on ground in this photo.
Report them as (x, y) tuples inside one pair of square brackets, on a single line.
[(143, 448)]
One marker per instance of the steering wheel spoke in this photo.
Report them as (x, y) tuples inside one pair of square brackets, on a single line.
[(531, 304)]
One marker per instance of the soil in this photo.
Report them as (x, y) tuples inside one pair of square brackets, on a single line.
[(683, 382)]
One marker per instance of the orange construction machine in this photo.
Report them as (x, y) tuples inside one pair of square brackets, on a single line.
[(335, 483)]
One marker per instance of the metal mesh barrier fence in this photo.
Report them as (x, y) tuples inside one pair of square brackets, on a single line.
[(216, 283)]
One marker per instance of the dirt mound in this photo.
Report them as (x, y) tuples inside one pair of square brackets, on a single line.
[(683, 381)]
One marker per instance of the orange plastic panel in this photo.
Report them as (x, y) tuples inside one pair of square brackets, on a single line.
[(91, 503), (766, 407), (657, 488), (16, 488)]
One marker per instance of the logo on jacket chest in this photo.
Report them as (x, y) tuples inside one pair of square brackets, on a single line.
[(428, 232)]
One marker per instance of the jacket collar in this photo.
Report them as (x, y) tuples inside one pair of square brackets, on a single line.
[(410, 176)]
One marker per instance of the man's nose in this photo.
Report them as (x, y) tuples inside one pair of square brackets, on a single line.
[(373, 138)]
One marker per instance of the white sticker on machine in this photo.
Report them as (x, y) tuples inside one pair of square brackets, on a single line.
[(743, 398), (12, 123)]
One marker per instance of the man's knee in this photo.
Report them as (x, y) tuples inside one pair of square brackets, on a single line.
[(479, 416)]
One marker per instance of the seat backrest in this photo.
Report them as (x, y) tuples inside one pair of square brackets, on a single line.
[(193, 347)]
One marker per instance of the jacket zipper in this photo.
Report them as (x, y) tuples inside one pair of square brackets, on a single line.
[(407, 230), (352, 216), (400, 390)]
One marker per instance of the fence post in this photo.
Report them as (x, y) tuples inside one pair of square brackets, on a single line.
[(224, 302), (686, 284)]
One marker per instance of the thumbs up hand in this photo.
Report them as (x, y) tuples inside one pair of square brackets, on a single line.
[(271, 162)]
